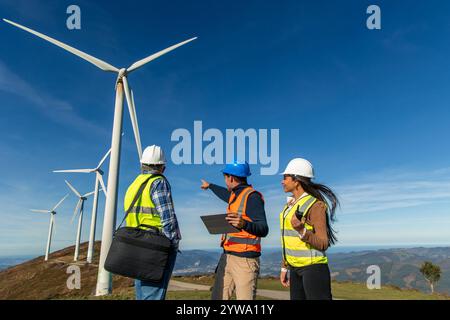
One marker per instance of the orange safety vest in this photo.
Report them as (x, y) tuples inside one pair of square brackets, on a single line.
[(241, 241)]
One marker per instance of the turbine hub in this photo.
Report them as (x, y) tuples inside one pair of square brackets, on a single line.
[(122, 73)]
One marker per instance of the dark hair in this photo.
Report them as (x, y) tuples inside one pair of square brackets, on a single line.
[(325, 194), (240, 180), (151, 167)]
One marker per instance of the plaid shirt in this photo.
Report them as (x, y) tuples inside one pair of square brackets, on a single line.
[(161, 195)]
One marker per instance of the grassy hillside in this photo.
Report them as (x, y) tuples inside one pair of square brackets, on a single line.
[(340, 290), (36, 279)]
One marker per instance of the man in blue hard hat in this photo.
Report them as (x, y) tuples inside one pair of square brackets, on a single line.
[(238, 267)]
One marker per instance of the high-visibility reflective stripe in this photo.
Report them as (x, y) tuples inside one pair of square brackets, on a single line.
[(306, 205), (241, 207), (141, 216), (305, 253), (244, 195), (240, 241), (290, 233), (244, 240), (296, 252), (141, 209)]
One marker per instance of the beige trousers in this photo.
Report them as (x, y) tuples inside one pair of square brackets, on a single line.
[(235, 274)]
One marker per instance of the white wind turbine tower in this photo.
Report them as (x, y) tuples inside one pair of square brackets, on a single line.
[(80, 204), (52, 222), (104, 280), (98, 181)]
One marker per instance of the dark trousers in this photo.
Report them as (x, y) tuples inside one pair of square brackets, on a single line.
[(310, 283)]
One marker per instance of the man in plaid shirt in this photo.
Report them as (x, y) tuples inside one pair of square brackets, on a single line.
[(160, 197)]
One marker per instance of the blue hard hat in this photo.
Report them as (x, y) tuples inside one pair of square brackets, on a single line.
[(238, 169)]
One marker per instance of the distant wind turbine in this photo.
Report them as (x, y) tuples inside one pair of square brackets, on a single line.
[(80, 205), (98, 181), (52, 222), (104, 280)]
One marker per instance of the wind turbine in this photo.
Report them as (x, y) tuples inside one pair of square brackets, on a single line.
[(104, 279), (52, 222), (80, 204), (98, 181)]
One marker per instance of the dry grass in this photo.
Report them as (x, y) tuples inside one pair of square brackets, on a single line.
[(39, 280)]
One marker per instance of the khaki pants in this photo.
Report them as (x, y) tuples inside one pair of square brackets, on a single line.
[(235, 274)]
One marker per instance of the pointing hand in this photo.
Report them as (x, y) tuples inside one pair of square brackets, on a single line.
[(205, 185)]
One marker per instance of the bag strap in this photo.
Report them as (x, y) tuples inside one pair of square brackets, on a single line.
[(136, 197)]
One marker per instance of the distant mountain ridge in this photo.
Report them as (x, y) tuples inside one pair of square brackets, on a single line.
[(6, 262), (399, 267)]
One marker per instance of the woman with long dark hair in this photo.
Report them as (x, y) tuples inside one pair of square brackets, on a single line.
[(306, 233)]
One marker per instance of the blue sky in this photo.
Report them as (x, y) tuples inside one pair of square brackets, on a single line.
[(368, 108)]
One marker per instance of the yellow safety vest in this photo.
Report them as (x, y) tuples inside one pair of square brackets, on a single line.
[(143, 211), (296, 252)]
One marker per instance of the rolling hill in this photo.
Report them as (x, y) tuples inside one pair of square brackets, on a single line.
[(36, 279), (399, 267)]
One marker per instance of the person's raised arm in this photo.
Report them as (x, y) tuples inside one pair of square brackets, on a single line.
[(221, 192)]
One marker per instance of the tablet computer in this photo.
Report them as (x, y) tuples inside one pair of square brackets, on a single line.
[(216, 224)]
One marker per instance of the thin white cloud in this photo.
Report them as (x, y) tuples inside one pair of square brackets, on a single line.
[(383, 192), (55, 109)]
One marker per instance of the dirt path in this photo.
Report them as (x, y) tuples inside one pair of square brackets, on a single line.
[(185, 286)]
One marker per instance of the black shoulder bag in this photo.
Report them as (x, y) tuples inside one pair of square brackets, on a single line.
[(136, 253)]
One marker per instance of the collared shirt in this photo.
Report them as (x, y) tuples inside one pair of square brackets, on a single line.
[(292, 201), (161, 196)]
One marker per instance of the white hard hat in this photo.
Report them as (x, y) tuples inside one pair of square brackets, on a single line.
[(300, 167), (153, 155)]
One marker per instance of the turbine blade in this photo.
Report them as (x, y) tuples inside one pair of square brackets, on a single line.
[(88, 194), (138, 137), (75, 211), (76, 170), (132, 111), (60, 202), (97, 62), (40, 211), (73, 189), (103, 159), (154, 56), (103, 185)]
